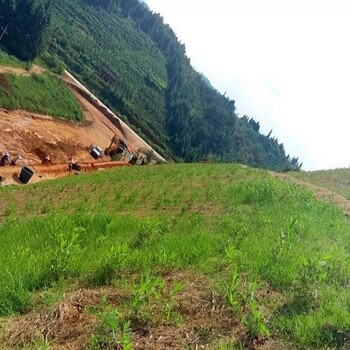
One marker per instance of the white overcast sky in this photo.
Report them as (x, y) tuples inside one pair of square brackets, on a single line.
[(286, 63)]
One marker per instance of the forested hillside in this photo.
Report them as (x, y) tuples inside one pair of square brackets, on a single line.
[(24, 24), (135, 64)]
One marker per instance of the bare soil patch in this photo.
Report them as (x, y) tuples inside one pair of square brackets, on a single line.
[(21, 71)]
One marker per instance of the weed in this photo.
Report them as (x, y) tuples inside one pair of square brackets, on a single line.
[(38, 345), (116, 258), (243, 304), (151, 295), (170, 304), (112, 331), (46, 208), (148, 287), (142, 235), (67, 248), (232, 294), (312, 274), (255, 322), (253, 318), (165, 258), (10, 209), (228, 345)]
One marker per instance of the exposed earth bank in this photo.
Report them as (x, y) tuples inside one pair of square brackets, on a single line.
[(34, 136)]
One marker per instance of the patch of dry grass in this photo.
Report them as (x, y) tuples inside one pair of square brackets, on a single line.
[(68, 324)]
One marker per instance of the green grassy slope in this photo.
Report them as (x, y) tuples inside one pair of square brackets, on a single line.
[(44, 93), (337, 180), (275, 256), (8, 60)]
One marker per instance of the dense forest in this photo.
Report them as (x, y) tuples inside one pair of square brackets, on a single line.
[(25, 23), (134, 62)]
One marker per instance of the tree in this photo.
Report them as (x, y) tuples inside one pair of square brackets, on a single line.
[(27, 22)]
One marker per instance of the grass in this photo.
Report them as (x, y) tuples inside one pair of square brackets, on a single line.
[(12, 61), (275, 257), (337, 180), (44, 93)]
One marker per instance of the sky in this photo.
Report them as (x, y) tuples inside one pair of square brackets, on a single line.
[(286, 63)]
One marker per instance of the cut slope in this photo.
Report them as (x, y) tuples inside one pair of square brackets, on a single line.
[(266, 253), (43, 93), (35, 135)]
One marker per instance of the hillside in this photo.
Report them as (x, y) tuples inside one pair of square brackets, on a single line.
[(172, 257), (134, 62), (337, 180), (42, 127)]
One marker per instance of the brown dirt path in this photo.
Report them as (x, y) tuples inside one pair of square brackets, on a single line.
[(320, 192), (21, 71), (10, 174)]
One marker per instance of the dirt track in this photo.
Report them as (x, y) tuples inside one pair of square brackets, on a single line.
[(34, 69), (11, 174), (320, 192)]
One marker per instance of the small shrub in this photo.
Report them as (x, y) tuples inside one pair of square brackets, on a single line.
[(232, 294), (151, 296), (112, 332)]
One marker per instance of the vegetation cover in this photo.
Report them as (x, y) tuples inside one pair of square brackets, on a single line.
[(42, 93), (10, 60), (25, 22), (151, 83), (336, 180), (214, 255), (135, 63)]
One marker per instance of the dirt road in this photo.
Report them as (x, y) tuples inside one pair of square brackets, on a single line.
[(10, 174)]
